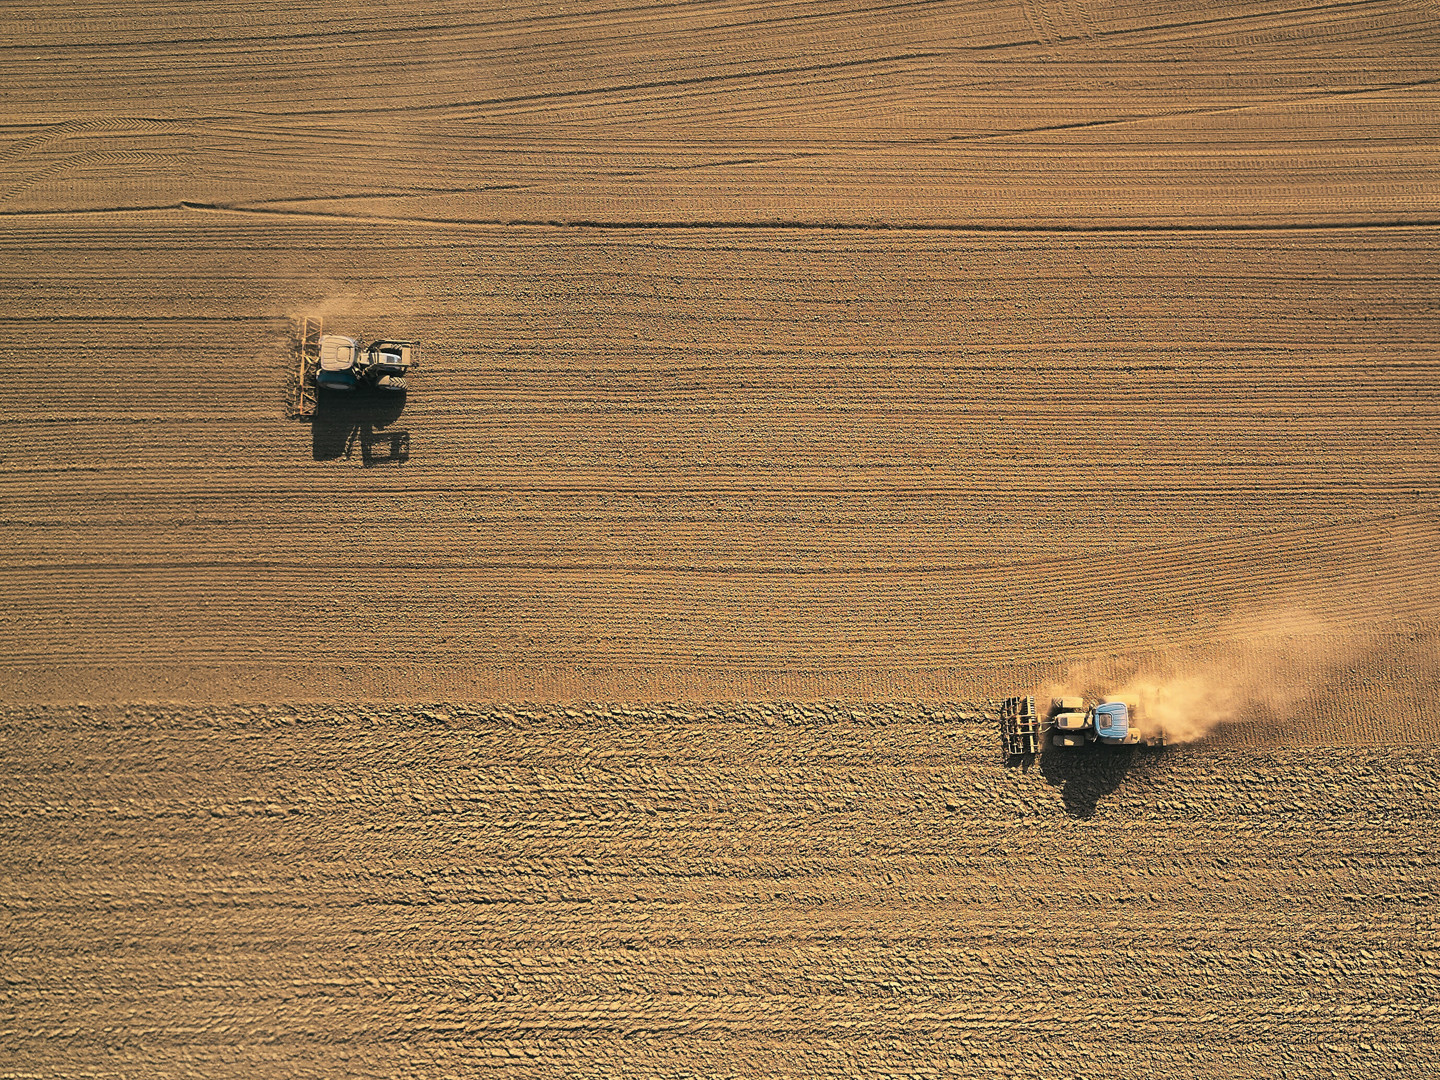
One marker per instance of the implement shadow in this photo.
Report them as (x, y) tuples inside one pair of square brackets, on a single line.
[(1087, 774), (344, 418)]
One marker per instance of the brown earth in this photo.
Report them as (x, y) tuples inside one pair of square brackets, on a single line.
[(812, 352), (730, 892)]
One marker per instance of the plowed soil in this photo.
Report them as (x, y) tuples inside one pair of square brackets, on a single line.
[(731, 892), (792, 352)]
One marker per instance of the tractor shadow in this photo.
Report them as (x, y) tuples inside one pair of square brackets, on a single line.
[(1088, 774), (360, 417)]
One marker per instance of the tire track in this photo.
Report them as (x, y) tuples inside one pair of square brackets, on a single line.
[(70, 129)]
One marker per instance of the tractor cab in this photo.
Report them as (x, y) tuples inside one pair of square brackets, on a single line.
[(1112, 723), (336, 370)]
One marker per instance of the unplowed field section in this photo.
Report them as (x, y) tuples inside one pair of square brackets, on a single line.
[(1052, 112), (810, 350), (737, 894), (672, 463)]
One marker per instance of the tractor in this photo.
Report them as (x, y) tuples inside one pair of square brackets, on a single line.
[(1070, 722), (339, 363)]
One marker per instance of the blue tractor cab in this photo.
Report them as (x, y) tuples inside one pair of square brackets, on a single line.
[(1112, 722)]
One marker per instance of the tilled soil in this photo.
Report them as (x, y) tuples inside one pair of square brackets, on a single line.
[(723, 892)]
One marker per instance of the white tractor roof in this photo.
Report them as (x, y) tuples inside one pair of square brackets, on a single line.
[(337, 353)]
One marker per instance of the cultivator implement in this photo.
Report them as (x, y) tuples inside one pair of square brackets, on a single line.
[(1020, 727), (306, 395)]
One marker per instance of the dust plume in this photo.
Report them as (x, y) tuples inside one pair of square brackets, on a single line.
[(334, 304), (1266, 667)]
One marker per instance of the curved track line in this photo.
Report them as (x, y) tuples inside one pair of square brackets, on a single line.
[(76, 127)]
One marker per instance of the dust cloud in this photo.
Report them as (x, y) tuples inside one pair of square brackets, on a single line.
[(336, 304), (1267, 667)]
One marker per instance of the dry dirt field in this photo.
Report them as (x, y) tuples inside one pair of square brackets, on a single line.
[(724, 892), (889, 358)]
